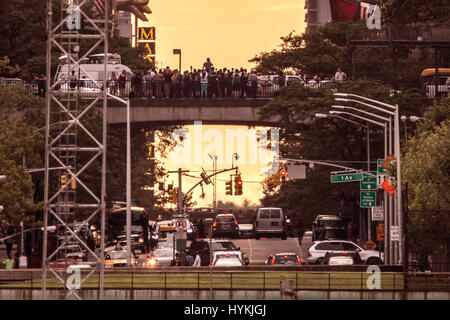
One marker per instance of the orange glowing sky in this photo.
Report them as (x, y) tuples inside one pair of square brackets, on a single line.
[(229, 33)]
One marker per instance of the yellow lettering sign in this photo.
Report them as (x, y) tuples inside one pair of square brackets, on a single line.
[(147, 34)]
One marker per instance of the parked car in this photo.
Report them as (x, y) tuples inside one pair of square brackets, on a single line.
[(225, 225), (317, 252), (270, 222), (201, 247), (284, 259), (342, 258)]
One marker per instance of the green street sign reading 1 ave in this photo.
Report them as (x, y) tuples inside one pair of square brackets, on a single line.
[(347, 177)]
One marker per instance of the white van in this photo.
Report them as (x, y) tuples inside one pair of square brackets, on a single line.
[(270, 222), (92, 68)]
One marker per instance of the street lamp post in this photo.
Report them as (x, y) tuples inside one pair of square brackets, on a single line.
[(214, 159), (393, 112), (178, 51)]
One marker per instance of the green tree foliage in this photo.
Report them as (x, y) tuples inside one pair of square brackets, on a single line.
[(323, 50), (18, 143), (425, 168), (414, 11), (332, 139)]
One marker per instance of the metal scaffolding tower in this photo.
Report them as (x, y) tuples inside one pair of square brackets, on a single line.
[(65, 113)]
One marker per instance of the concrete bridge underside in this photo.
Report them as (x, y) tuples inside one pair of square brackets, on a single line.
[(186, 111)]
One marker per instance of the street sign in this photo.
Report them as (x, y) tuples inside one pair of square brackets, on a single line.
[(369, 181), (378, 213), (296, 171), (380, 168), (370, 245), (380, 179), (380, 232), (367, 199), (180, 224), (395, 234), (349, 177)]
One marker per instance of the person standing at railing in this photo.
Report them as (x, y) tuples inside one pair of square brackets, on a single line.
[(244, 80), (187, 85), (176, 78), (122, 79), (195, 84), (149, 83), (229, 83), (253, 79), (42, 85), (167, 82), (113, 83), (204, 84), (159, 80), (340, 76), (221, 76), (236, 82), (213, 84)]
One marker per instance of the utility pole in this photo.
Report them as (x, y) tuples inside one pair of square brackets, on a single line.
[(181, 233)]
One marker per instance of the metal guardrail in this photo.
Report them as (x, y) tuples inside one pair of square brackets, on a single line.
[(188, 278), (399, 35)]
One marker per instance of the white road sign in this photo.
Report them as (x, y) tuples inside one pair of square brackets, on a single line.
[(395, 234), (378, 213)]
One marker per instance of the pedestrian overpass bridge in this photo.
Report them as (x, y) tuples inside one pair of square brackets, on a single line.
[(153, 112)]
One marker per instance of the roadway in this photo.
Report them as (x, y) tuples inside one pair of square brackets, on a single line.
[(259, 250)]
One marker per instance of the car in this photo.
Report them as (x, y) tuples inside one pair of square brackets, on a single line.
[(228, 261), (307, 234), (284, 259), (342, 258), (317, 252), (137, 241), (162, 256), (225, 225), (270, 222), (246, 230), (201, 247), (118, 258), (328, 227)]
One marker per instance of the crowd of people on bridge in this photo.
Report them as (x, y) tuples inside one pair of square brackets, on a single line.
[(206, 82)]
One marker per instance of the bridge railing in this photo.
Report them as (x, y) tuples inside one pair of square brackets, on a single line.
[(188, 278)]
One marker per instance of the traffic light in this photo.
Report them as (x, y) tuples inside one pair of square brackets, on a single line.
[(73, 184), (237, 185), (228, 188), (63, 181), (283, 174), (173, 196)]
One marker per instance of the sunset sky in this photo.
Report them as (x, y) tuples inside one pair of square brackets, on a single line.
[(229, 33)]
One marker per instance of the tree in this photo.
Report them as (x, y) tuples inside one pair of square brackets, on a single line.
[(304, 136), (425, 169), (415, 11), (18, 143)]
